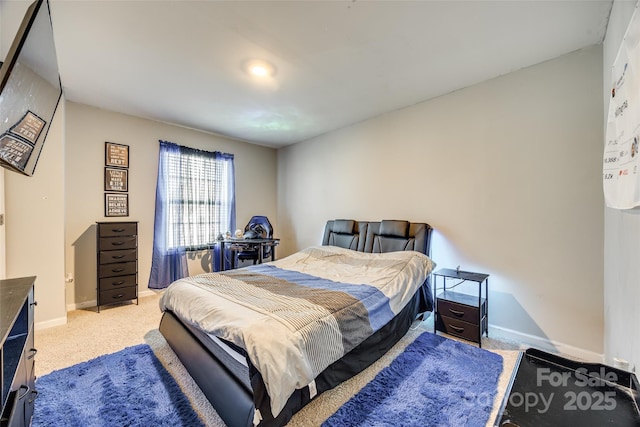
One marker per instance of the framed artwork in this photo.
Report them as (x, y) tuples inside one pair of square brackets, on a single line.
[(29, 127), (116, 155), (116, 179), (116, 204), (14, 151)]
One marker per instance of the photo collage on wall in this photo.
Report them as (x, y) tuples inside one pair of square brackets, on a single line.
[(116, 180)]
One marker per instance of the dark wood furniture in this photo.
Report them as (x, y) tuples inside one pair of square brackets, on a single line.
[(233, 401), (117, 258), (238, 245), (549, 390), (462, 315), (17, 351)]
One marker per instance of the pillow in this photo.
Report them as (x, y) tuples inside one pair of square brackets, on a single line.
[(392, 228), (343, 226)]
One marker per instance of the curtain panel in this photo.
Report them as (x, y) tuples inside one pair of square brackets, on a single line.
[(195, 203)]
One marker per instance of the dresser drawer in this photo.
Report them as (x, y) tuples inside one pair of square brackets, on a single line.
[(457, 328), (458, 311), (109, 283), (120, 294), (108, 257), (118, 269), (111, 243), (117, 229)]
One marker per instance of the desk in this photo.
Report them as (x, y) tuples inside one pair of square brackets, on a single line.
[(237, 245)]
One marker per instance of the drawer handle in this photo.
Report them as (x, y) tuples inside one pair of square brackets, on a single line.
[(117, 256), (121, 282), (117, 270), (117, 230), (456, 312), (117, 296), (35, 396), (118, 243), (33, 353), (457, 329), (25, 393)]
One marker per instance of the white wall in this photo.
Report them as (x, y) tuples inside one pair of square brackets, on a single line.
[(622, 234), (87, 130), (34, 206), (35, 225), (3, 258), (507, 172), (3, 250)]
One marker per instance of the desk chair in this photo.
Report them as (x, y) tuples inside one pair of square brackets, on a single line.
[(258, 227)]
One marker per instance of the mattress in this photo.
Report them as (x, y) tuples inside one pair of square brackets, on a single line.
[(230, 355)]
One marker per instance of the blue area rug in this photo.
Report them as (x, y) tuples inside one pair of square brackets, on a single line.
[(436, 381), (127, 388)]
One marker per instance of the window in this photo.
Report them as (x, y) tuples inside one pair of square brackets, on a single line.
[(197, 199), (195, 202), (199, 196)]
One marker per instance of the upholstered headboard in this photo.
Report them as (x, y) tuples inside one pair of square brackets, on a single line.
[(376, 237)]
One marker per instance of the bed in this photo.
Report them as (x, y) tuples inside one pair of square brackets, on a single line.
[(350, 300)]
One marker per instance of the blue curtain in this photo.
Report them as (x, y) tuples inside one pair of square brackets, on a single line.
[(230, 196), (192, 209)]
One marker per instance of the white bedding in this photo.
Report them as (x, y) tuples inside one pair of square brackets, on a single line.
[(290, 338)]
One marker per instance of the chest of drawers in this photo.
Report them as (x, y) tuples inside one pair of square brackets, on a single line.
[(17, 352), (117, 259)]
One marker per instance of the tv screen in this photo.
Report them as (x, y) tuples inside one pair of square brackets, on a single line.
[(30, 90)]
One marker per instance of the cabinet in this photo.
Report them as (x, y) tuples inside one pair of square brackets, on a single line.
[(459, 314), (17, 352), (117, 261)]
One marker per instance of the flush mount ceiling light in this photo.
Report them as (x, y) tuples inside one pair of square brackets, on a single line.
[(259, 68)]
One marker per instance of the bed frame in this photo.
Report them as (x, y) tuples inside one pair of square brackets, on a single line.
[(233, 402)]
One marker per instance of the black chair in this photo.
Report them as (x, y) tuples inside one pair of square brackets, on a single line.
[(258, 227)]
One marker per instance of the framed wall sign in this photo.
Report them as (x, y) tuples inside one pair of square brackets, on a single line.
[(116, 155), (29, 127), (116, 204), (14, 151), (116, 179)]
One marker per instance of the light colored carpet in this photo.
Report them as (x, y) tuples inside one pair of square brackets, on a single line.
[(89, 334)]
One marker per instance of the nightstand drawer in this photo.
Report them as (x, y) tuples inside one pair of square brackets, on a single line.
[(457, 328), (108, 257), (118, 269), (117, 229), (458, 311), (116, 295), (109, 283)]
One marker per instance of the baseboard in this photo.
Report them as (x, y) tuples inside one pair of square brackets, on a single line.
[(527, 340), (92, 303), (82, 305), (148, 293), (50, 323)]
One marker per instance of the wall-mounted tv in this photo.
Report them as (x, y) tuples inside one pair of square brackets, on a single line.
[(30, 90)]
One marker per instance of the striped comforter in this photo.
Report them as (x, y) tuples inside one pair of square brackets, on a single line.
[(298, 315)]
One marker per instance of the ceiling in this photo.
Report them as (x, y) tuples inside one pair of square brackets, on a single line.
[(336, 62)]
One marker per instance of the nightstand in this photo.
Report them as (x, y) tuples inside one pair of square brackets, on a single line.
[(462, 315)]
